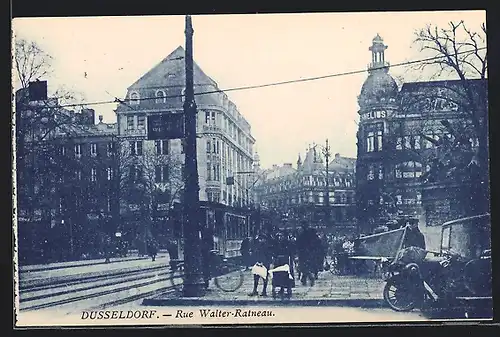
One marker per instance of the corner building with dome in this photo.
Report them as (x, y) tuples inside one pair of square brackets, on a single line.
[(392, 155)]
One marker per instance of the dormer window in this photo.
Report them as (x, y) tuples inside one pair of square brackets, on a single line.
[(134, 98), (160, 96)]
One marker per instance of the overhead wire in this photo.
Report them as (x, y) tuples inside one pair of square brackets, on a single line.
[(307, 79)]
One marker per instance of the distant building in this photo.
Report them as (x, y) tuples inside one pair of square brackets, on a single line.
[(393, 155), (296, 194), (67, 192), (224, 146)]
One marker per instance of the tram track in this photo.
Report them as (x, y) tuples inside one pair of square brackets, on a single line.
[(29, 285), (138, 285)]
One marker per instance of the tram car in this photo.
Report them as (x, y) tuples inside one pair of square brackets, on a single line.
[(230, 226)]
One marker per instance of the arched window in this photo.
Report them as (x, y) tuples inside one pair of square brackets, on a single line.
[(134, 98), (183, 93), (160, 96), (408, 170)]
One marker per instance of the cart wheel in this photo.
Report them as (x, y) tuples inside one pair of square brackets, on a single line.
[(230, 277), (399, 296)]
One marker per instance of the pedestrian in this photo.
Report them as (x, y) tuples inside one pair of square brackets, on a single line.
[(107, 249), (245, 251), (152, 249), (413, 236), (283, 266), (308, 244), (262, 258)]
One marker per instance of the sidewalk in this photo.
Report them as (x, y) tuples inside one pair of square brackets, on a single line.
[(329, 290)]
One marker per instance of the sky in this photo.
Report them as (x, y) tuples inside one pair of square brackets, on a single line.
[(244, 50)]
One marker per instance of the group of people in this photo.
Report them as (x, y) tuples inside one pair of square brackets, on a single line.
[(304, 252)]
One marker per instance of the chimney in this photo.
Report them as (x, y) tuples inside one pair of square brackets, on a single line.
[(288, 165), (337, 155), (88, 116), (275, 166), (100, 118)]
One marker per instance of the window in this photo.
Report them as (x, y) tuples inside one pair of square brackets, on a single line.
[(78, 174), (134, 173), (380, 172), (110, 172), (78, 150), (162, 146), (214, 145), (407, 142), (141, 122), (161, 174), (370, 142), (379, 140), (160, 97), (110, 149), (136, 148), (93, 174), (343, 199), (62, 150), (209, 171), (408, 170), (183, 93), (416, 142), (209, 146), (108, 204), (207, 117), (93, 149), (399, 143), (399, 200), (134, 98), (213, 118), (130, 122)]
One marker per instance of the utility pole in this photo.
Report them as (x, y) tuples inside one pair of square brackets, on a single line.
[(326, 153), (194, 285)]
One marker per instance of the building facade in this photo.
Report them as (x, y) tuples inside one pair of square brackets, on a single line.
[(67, 200), (224, 144), (398, 140), (296, 194)]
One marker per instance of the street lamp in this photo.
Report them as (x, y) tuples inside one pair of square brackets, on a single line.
[(326, 152)]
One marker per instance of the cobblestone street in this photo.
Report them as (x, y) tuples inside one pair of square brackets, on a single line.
[(329, 289)]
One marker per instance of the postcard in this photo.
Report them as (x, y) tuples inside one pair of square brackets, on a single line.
[(251, 169)]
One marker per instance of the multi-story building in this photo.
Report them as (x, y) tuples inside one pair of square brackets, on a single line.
[(66, 182), (224, 143), (296, 194), (394, 147)]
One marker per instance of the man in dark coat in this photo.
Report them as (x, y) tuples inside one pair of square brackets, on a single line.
[(245, 251), (263, 255), (413, 237), (308, 247)]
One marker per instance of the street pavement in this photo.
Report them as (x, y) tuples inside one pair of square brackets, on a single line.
[(328, 289)]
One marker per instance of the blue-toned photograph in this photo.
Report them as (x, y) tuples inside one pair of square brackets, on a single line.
[(251, 169)]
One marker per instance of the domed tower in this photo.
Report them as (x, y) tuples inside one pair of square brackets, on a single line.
[(377, 104)]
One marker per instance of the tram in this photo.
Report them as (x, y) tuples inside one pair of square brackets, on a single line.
[(231, 225)]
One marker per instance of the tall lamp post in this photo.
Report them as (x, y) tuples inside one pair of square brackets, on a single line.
[(326, 152), (194, 285)]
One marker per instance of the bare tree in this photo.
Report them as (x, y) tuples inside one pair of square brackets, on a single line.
[(150, 182), (31, 62), (461, 52), (456, 108)]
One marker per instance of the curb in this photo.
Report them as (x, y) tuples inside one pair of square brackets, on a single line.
[(353, 302)]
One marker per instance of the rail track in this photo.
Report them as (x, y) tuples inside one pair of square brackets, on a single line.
[(128, 285)]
